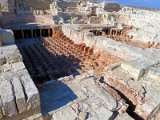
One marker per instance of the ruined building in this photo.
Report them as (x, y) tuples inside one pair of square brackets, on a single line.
[(78, 60)]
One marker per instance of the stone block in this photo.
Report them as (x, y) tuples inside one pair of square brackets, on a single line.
[(137, 68), (7, 96), (7, 37), (154, 73), (124, 116), (33, 100), (119, 49), (9, 47), (19, 95), (65, 114), (18, 66), (12, 55), (107, 98), (151, 107), (104, 114)]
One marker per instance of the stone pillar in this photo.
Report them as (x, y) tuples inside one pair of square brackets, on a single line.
[(22, 34), (32, 33), (41, 32), (49, 33)]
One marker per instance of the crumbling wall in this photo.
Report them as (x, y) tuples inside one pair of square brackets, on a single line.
[(145, 21)]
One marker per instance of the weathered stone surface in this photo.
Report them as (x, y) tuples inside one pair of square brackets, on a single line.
[(33, 100), (83, 115), (151, 107), (137, 68), (2, 59), (12, 55), (65, 114), (8, 101), (104, 114), (19, 95), (7, 37), (109, 100), (154, 73), (124, 116), (1, 114), (18, 66)]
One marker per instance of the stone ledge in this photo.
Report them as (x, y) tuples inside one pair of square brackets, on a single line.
[(137, 68)]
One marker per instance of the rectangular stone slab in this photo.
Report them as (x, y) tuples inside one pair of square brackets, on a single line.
[(31, 92), (12, 56), (137, 68), (19, 93), (8, 101), (154, 73)]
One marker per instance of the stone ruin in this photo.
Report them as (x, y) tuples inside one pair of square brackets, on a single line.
[(78, 60)]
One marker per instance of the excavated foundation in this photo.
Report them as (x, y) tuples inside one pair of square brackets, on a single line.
[(58, 56)]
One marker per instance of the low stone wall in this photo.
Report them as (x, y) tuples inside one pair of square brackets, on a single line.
[(19, 97)]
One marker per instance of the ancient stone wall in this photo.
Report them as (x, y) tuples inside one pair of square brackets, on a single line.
[(146, 23), (19, 95)]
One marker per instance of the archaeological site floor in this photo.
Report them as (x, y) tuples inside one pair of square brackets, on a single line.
[(68, 73)]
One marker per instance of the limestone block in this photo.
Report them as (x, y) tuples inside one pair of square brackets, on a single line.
[(152, 105), (7, 37), (18, 66), (154, 75), (19, 94), (107, 98), (11, 53), (9, 47), (33, 100), (124, 116), (104, 114), (137, 68), (119, 49), (65, 114), (153, 55), (8, 102)]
